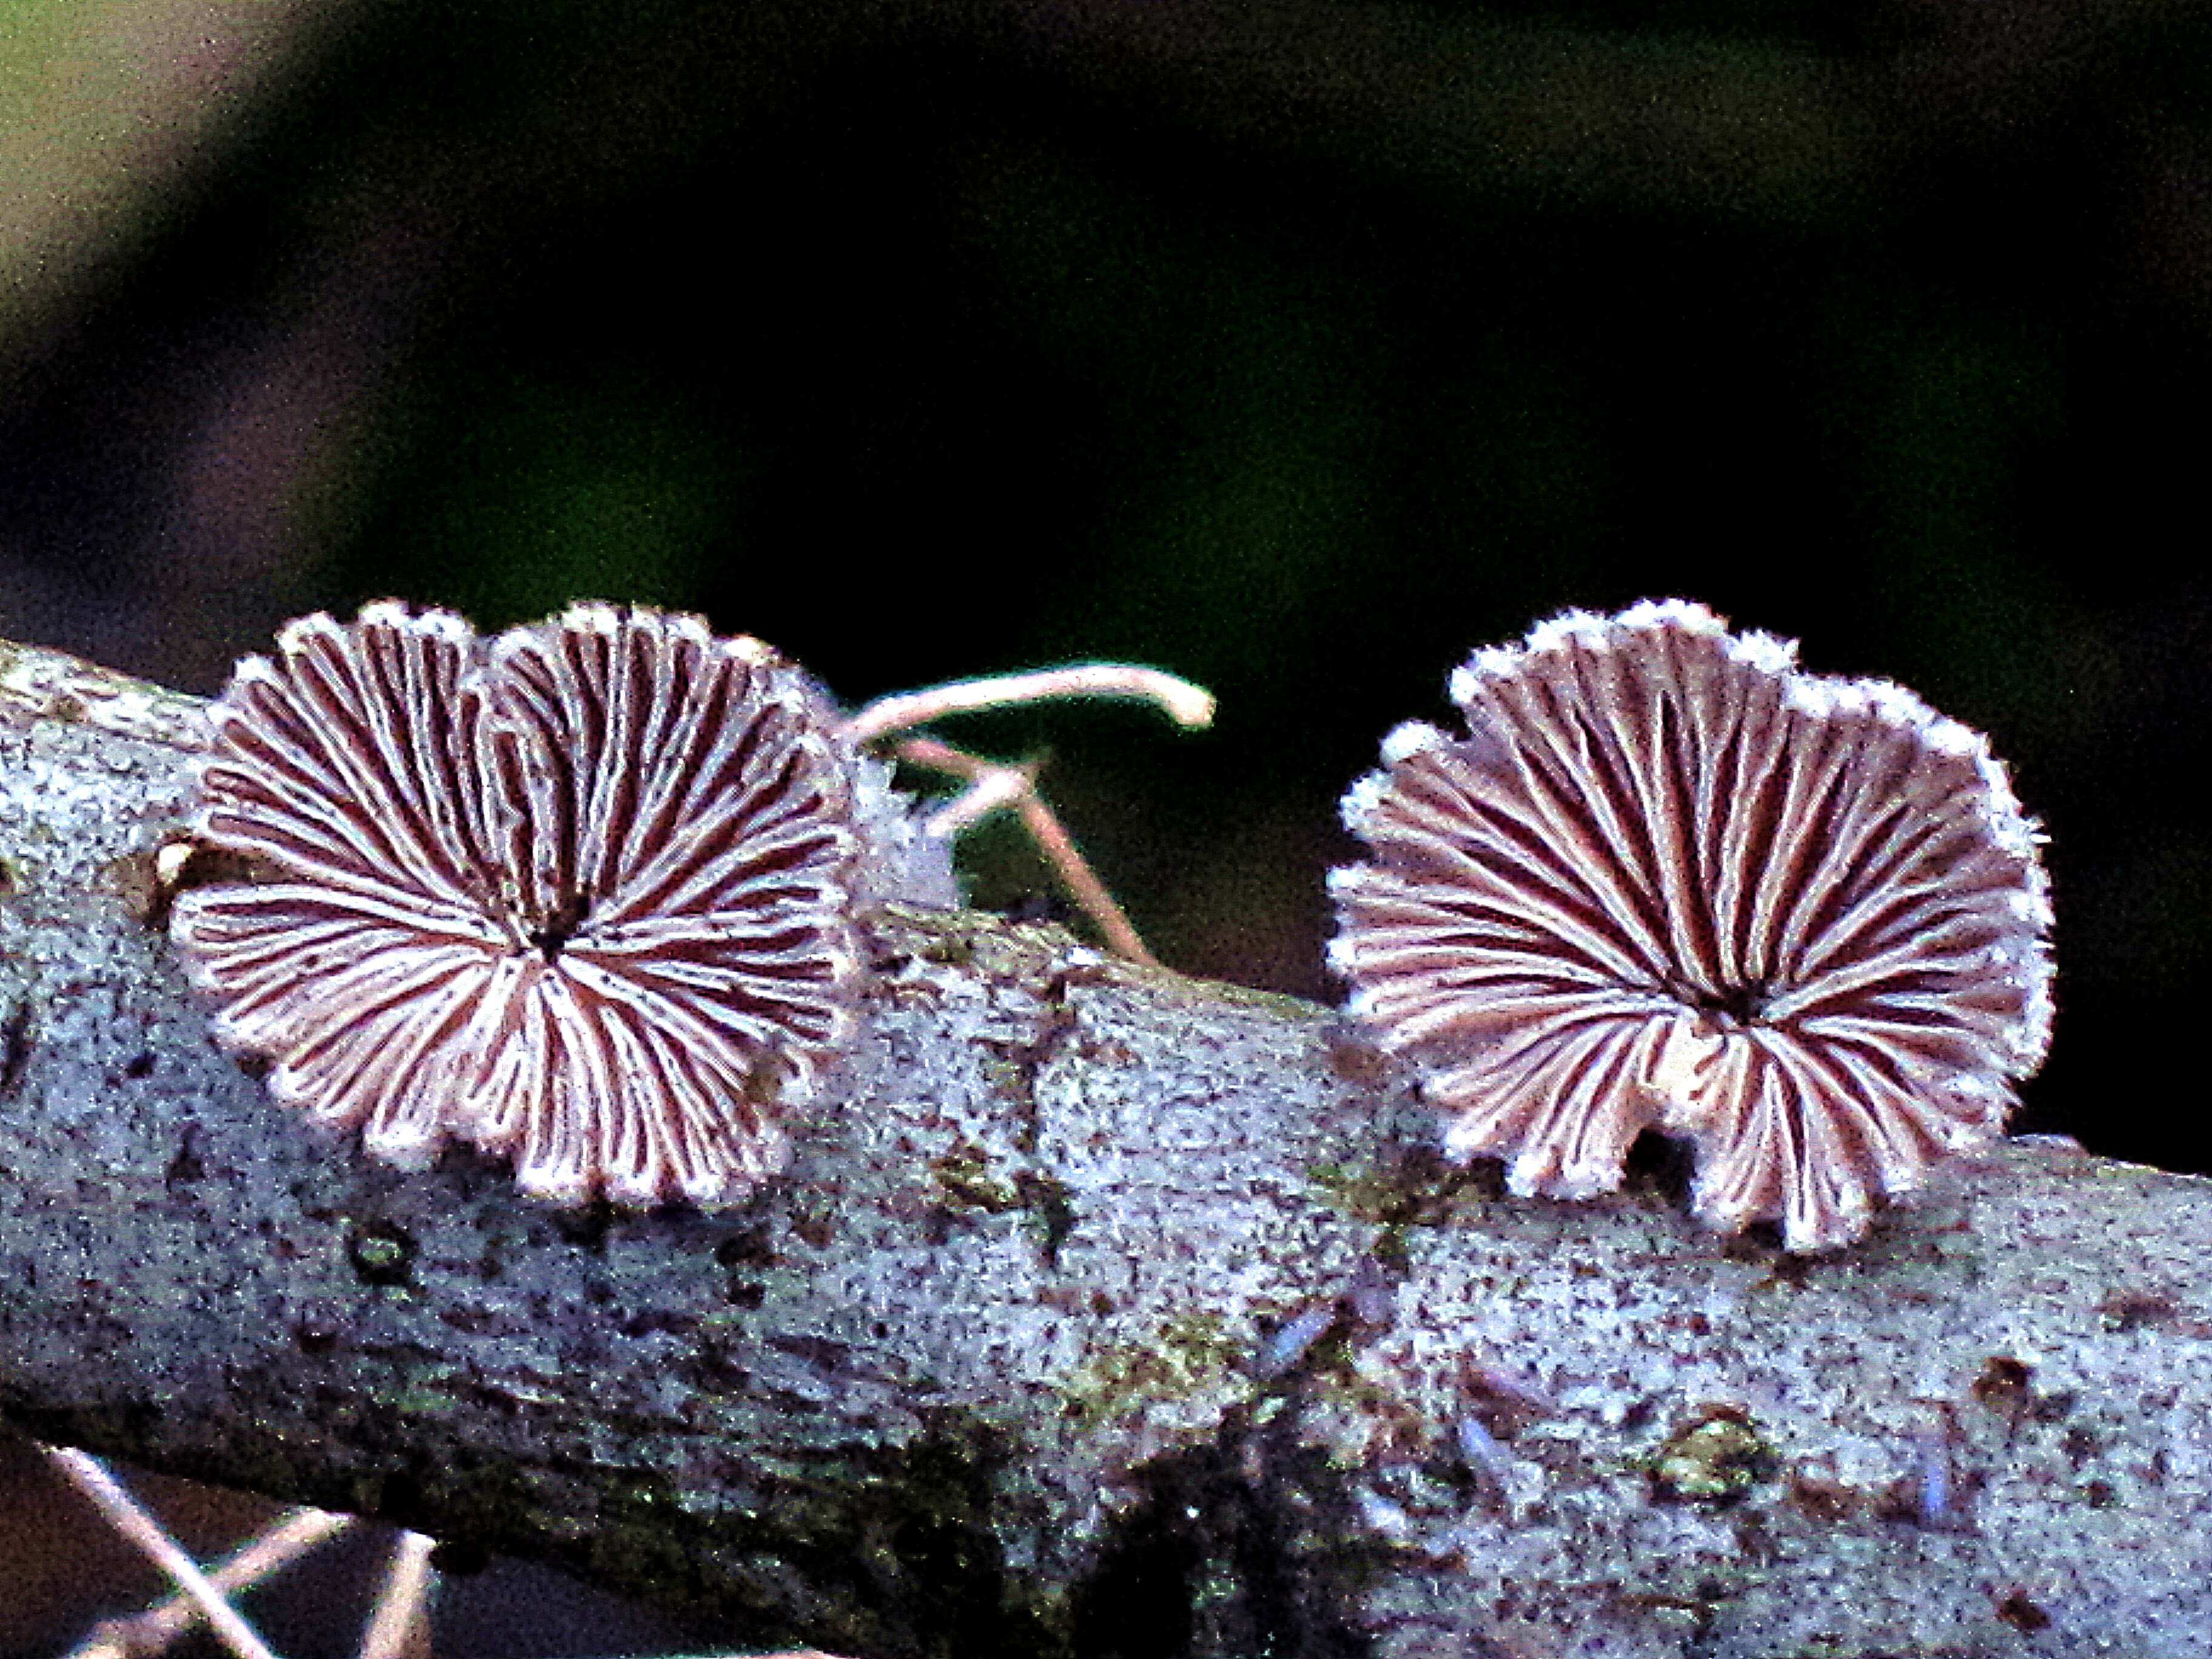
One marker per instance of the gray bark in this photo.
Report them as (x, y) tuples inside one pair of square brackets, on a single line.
[(1100, 1300)]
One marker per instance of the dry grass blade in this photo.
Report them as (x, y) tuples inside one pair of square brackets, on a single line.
[(124, 1514), (993, 787), (1190, 707), (268, 1552), (399, 1624)]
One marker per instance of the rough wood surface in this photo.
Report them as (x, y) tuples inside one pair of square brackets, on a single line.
[(1108, 1311)]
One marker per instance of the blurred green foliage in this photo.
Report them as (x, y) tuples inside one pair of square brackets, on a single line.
[(558, 491)]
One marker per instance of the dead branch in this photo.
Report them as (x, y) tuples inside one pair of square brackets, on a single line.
[(1104, 1310)]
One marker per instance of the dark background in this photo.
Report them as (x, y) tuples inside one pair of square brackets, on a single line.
[(1298, 348)]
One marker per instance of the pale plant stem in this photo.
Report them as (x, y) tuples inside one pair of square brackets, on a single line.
[(1014, 786), (124, 1513), (1083, 882), (992, 788), (402, 1603), (1189, 706), (268, 1552)]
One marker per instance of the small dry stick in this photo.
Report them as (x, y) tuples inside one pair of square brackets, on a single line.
[(265, 1553), (396, 1627), (1188, 706), (990, 786), (994, 786), (124, 1513)]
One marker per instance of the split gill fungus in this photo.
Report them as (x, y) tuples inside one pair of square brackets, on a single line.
[(582, 895), (1668, 881)]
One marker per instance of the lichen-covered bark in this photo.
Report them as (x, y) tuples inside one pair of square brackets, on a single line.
[(1103, 1310)]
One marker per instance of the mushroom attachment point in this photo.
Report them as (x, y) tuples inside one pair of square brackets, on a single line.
[(582, 895), (1667, 880)]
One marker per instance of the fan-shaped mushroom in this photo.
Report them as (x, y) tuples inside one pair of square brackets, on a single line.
[(1668, 880)]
